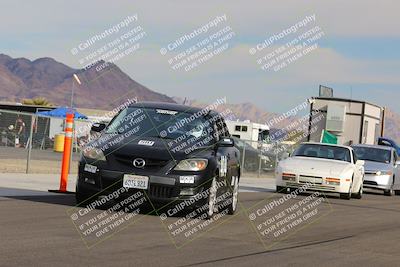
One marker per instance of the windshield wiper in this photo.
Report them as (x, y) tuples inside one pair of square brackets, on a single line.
[(163, 137)]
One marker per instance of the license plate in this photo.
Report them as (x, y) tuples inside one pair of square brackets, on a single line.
[(136, 181), (313, 180), (90, 168)]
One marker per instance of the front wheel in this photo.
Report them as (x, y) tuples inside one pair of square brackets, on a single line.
[(235, 196), (390, 192), (347, 196), (212, 199), (281, 189), (82, 198), (360, 193)]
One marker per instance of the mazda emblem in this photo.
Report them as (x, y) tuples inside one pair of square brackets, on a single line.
[(139, 163)]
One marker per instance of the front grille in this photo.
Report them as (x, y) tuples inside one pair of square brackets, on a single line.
[(161, 191), (312, 186), (150, 163), (370, 183)]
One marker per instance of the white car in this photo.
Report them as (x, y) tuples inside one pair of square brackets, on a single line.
[(324, 167)]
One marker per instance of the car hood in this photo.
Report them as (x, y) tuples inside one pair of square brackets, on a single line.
[(372, 166), (314, 166)]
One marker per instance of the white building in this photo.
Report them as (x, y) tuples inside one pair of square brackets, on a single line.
[(352, 121)]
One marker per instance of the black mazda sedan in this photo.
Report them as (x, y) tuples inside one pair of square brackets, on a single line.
[(172, 153)]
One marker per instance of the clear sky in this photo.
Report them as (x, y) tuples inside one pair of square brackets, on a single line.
[(358, 55)]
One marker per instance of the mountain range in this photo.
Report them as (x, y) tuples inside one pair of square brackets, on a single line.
[(22, 78)]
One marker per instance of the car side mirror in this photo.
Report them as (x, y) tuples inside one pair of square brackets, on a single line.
[(360, 162), (397, 163), (98, 127), (226, 142)]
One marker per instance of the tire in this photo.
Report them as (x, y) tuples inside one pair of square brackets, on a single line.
[(360, 193), (235, 197), (81, 198), (347, 196), (281, 189), (397, 192), (389, 192), (212, 199)]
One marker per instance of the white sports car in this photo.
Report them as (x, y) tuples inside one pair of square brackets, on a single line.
[(324, 167)]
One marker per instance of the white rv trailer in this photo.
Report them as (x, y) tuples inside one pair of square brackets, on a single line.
[(249, 131)]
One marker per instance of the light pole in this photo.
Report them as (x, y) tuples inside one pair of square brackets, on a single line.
[(76, 78)]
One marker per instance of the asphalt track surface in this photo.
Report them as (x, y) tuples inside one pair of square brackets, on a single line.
[(36, 230)]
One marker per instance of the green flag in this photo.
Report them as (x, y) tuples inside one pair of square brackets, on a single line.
[(328, 138)]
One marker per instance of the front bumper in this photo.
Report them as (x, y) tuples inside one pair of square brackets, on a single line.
[(317, 187), (314, 183), (380, 182), (162, 189)]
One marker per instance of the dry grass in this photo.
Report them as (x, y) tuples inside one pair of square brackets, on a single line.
[(36, 166)]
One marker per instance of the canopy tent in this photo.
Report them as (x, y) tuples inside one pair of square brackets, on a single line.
[(61, 113)]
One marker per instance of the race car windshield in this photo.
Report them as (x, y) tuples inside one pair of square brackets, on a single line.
[(373, 154), (159, 123), (324, 152)]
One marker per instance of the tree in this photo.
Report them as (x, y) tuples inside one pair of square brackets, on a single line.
[(37, 101)]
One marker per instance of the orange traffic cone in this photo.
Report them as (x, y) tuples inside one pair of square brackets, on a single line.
[(66, 155)]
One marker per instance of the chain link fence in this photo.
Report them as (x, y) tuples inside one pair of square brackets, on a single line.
[(259, 159), (33, 144)]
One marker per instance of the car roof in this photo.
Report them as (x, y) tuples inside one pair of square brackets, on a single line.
[(374, 146), (170, 106), (324, 144), (386, 139)]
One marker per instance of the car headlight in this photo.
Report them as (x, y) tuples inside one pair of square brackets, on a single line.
[(288, 176), (332, 181), (93, 153), (379, 173), (191, 165)]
